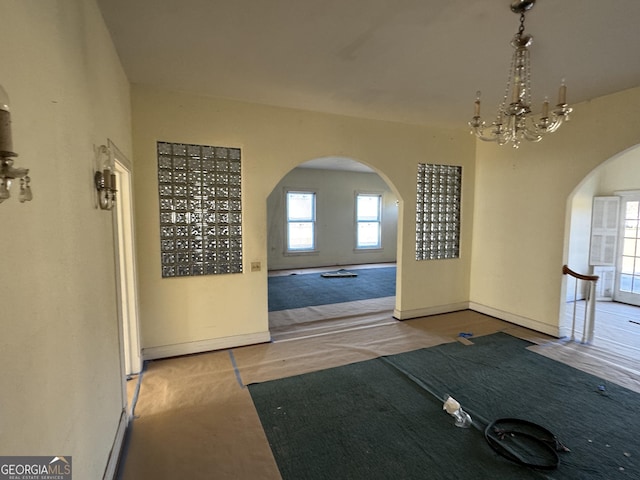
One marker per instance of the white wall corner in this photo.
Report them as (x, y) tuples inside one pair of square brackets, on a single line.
[(187, 348), (564, 332)]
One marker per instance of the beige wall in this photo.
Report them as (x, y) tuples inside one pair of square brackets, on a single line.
[(336, 229), (62, 391), (190, 311), (620, 173), (580, 227), (60, 376), (520, 237)]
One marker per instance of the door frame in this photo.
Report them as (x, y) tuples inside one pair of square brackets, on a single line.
[(619, 296), (126, 275)]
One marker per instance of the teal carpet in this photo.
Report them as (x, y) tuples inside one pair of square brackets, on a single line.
[(380, 419), (311, 289)]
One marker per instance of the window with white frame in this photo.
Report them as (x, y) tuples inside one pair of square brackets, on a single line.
[(368, 221), (301, 221)]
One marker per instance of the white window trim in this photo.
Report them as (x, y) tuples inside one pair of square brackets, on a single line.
[(295, 253), (627, 193), (379, 247)]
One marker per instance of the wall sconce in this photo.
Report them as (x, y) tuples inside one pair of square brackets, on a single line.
[(8, 173), (105, 180)]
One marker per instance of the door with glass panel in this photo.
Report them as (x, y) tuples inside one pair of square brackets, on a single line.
[(627, 287)]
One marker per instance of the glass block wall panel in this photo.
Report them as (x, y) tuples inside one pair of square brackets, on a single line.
[(438, 211), (200, 209)]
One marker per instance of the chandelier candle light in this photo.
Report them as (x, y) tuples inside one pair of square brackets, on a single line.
[(515, 121)]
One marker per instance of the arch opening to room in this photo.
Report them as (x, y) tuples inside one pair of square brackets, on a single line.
[(332, 242), (603, 219)]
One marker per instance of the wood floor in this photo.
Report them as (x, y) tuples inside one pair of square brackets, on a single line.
[(195, 419), (617, 327)]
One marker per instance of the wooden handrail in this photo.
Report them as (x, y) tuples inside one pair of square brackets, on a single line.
[(589, 278), (590, 307)]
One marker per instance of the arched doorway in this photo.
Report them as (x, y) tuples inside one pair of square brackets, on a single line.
[(332, 248), (615, 327)]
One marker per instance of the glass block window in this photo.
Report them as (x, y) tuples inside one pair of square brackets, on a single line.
[(438, 211), (200, 209)]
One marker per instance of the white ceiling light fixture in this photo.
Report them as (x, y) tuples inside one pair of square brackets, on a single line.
[(514, 121)]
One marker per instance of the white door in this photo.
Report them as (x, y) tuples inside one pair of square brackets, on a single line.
[(627, 287)]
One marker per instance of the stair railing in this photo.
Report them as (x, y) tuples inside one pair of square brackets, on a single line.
[(590, 307)]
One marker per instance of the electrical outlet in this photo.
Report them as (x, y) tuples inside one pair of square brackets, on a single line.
[(256, 266)]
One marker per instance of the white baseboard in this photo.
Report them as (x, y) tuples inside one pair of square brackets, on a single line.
[(553, 330), (114, 456), (177, 349), (425, 312)]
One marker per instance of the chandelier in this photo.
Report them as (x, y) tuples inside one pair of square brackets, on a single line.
[(514, 121)]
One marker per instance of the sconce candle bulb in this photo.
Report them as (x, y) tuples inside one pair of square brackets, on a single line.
[(8, 172), (106, 175), (6, 144)]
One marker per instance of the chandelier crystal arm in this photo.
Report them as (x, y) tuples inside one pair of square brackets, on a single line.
[(478, 127)]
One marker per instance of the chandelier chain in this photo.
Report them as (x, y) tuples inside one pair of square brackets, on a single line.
[(521, 28), (503, 104)]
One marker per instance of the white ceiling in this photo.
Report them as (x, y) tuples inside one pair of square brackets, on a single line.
[(415, 61)]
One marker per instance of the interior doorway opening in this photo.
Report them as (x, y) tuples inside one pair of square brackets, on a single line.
[(345, 277), (616, 178)]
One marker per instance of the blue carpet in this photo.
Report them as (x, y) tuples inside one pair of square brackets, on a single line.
[(311, 289)]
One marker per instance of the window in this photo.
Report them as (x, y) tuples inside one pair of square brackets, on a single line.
[(438, 211), (200, 209), (301, 221), (604, 230), (368, 221), (627, 285), (615, 246)]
